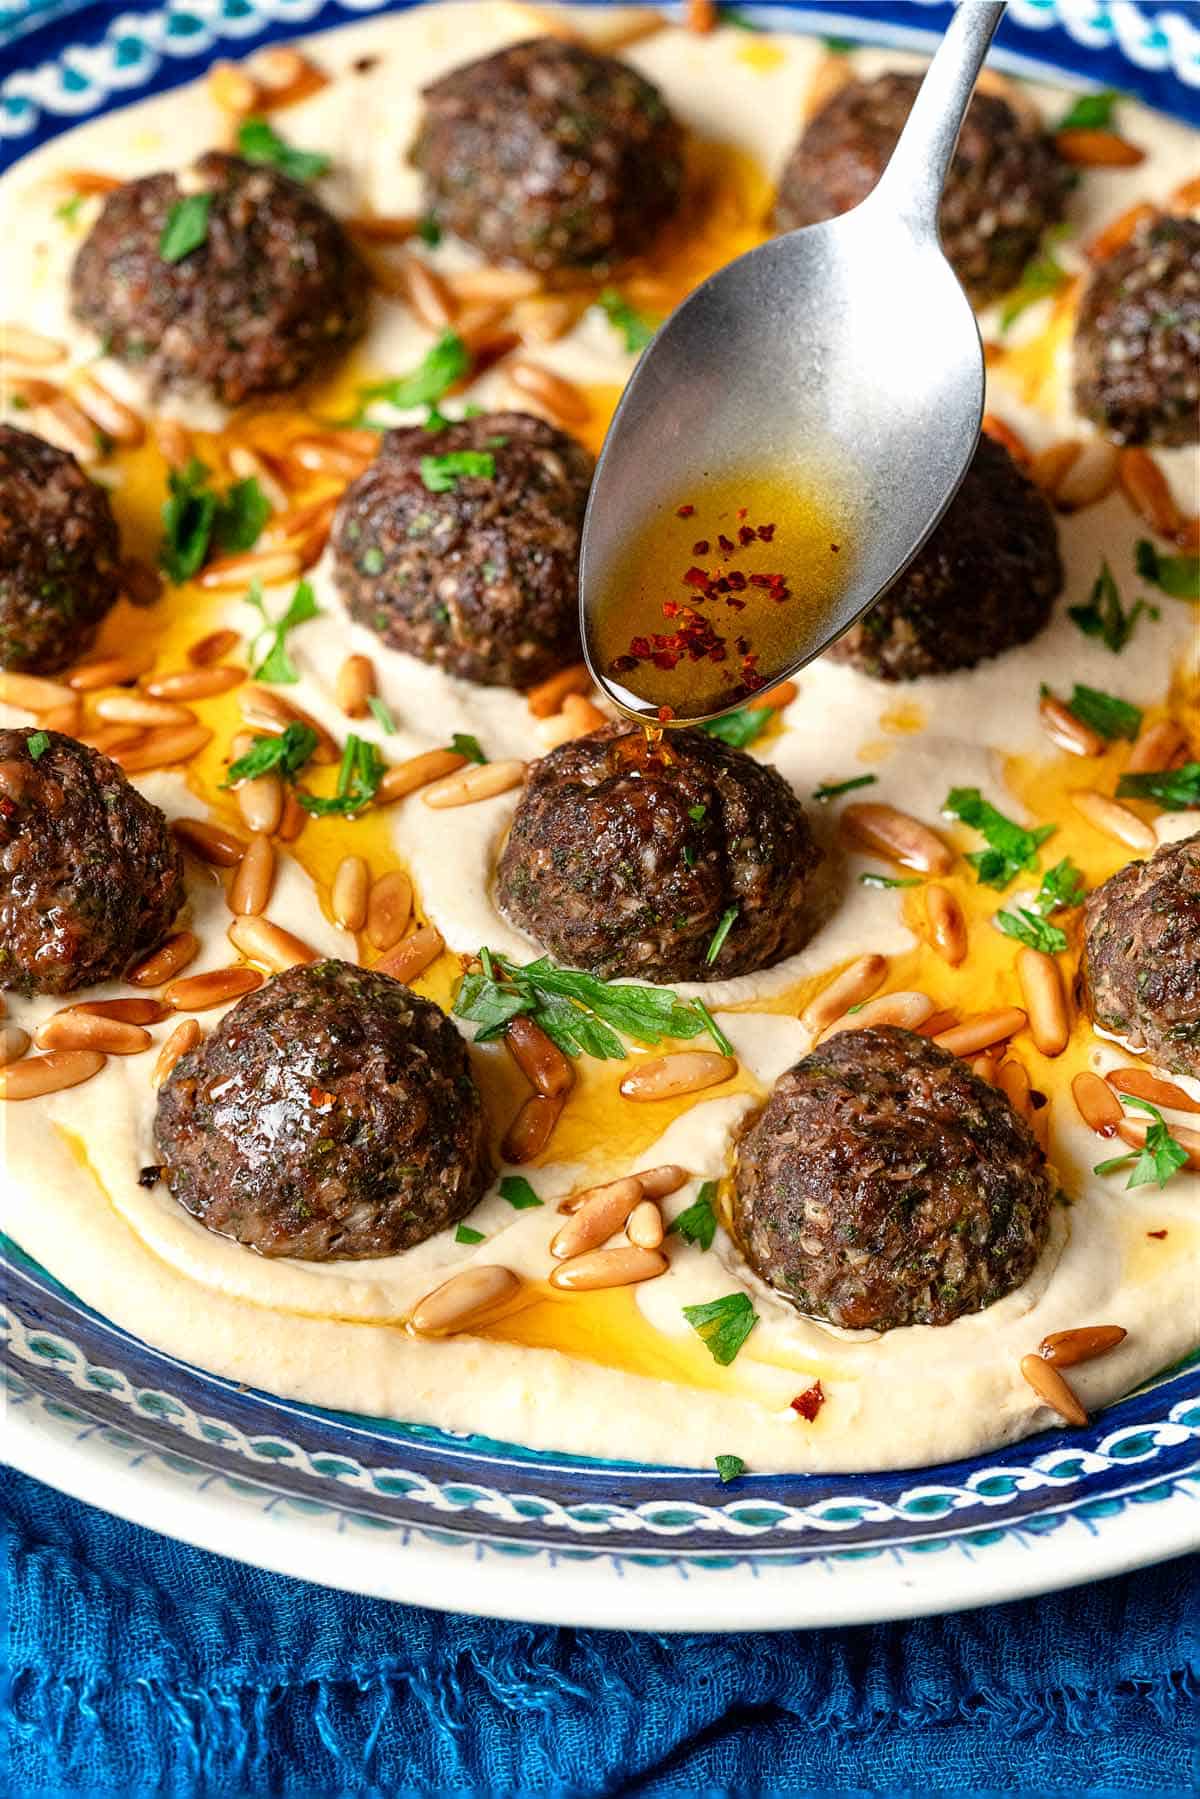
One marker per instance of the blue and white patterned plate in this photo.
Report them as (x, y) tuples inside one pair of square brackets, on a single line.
[(410, 1513)]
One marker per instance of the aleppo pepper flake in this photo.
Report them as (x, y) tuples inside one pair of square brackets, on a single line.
[(809, 1403)]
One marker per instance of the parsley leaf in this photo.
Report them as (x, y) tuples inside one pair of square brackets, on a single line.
[(1177, 575), (276, 666), (359, 774), (1160, 1157), (68, 212), (240, 516), (441, 474), (1091, 112), (429, 231), (1031, 929), (1106, 713), (713, 1028), (874, 880), (286, 754), (636, 328), (463, 744), (1011, 846), (833, 790), (1062, 887), (1041, 277), (467, 1234), (726, 924), (698, 1224), (37, 743), (195, 518), (578, 1011), (381, 713), (519, 1194), (1105, 616), (729, 1467), (186, 227), (258, 141), (441, 366), (1174, 789), (723, 1325), (739, 728)]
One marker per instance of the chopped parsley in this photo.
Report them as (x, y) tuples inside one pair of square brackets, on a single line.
[(1177, 575), (697, 814), (713, 1028), (1011, 847), (723, 1325), (1030, 928), (730, 1467), (429, 231), (196, 519), (463, 744), (381, 713), (833, 790), (186, 227), (442, 474), (1105, 713), (728, 919), (698, 1224), (1104, 615), (466, 1234), (874, 880), (37, 743), (1174, 789), (1160, 1157), (636, 328), (285, 755), (269, 658), (359, 774), (1090, 112), (579, 1012), (739, 728), (442, 365), (519, 1194), (1062, 887), (68, 212), (1041, 277), (258, 141)]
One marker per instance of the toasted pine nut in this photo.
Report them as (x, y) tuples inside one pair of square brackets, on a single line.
[(269, 944), (1013, 442), (597, 1220), (1089, 478), (531, 1129), (582, 714), (623, 1267), (270, 712), (195, 683), (1141, 1084), (213, 648), (903, 839), (174, 442), (1052, 1389), (382, 227), (62, 718), (36, 1076), (645, 1228), (857, 982), (427, 293), (68, 426), (141, 584), (83, 1030), (1065, 1348), (494, 284), (1133, 1131), (1068, 732), (1186, 196), (560, 397), (108, 414), (1051, 466), (547, 697), (828, 78), (267, 566), (542, 319), (19, 344), (481, 781), (232, 89), (773, 699), (656, 1183), (1012, 1078), (355, 685), (88, 181), (211, 843), (389, 908), (668, 1077), (1156, 747), (108, 671), (167, 961), (1117, 233), (183, 1038), (906, 1010), (250, 466), (947, 926), (462, 1299), (329, 454), (937, 1021), (1090, 148), (977, 1033), (134, 709), (1113, 819), (276, 93), (293, 818), (134, 1010), (700, 16), (199, 992), (986, 1068), (1045, 1000), (110, 738), (1096, 1104), (32, 692), (13, 1043), (161, 748), (251, 886), (413, 956), (553, 731), (260, 802), (1145, 487), (540, 1060), (348, 894)]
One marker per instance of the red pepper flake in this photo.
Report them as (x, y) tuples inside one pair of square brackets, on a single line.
[(766, 533), (685, 512), (746, 534), (665, 714), (321, 1100), (742, 511), (1159, 1234), (809, 1403), (696, 577), (701, 547), (725, 544)]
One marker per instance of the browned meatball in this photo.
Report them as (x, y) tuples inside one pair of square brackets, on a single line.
[(625, 859), (58, 555), (885, 1184), (1137, 338), (331, 1115), (1007, 181), (985, 582), (476, 573), (273, 294), (1141, 963), (90, 875), (548, 155)]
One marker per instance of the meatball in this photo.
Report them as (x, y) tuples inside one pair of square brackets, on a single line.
[(885, 1184), (986, 581), (331, 1115), (1141, 960), (90, 875), (1137, 338), (1006, 184), (475, 572), (272, 293), (631, 859), (550, 156), (58, 555)]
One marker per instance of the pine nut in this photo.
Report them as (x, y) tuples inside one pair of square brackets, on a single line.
[(134, 1010), (656, 1183), (986, 1068), (1045, 1000), (1145, 487), (494, 284), (907, 1010), (645, 1228), (13, 1043), (1012, 1078), (903, 839), (561, 398), (1186, 196), (595, 1222), (1063, 1349), (196, 683), (110, 671), (290, 529), (88, 181), (412, 957), (542, 319), (547, 697), (774, 699), (266, 566), (36, 1076), (251, 886), (1068, 732), (133, 709), (668, 1077), (108, 414), (582, 714), (293, 818), (61, 422), (174, 442), (213, 648), (1090, 148), (481, 781), (553, 731), (1117, 233), (260, 802), (271, 713), (389, 908), (183, 1038), (1156, 747), (355, 685), (978, 1033), (1051, 466), (856, 983), (427, 293), (381, 227), (211, 843), (269, 944), (1139, 1083), (937, 1021), (1133, 1131), (947, 925), (19, 344), (463, 1299), (248, 465), (609, 1268), (1090, 478), (326, 455), (32, 693), (540, 1060), (166, 962), (1113, 819), (531, 1129), (1013, 442), (700, 16), (110, 738), (348, 894), (200, 992), (1052, 1389), (1095, 1103), (161, 748), (83, 1030), (64, 719), (230, 88), (141, 584)]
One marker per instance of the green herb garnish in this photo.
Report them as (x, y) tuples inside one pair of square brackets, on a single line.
[(1090, 112), (698, 1224), (1174, 789), (429, 231), (442, 474), (739, 728), (713, 1028), (441, 366), (1160, 1157), (381, 713), (463, 744), (37, 743), (519, 1194), (258, 141), (286, 755), (833, 790), (728, 918), (274, 665), (1041, 277), (1105, 713), (636, 328), (1177, 575), (186, 227), (1010, 846), (874, 880), (729, 1467), (723, 1325), (578, 1011), (359, 774), (1062, 887), (1030, 928), (68, 212), (466, 1234), (196, 519), (1105, 616)]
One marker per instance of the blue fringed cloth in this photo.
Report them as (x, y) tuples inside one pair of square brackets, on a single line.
[(140, 1667)]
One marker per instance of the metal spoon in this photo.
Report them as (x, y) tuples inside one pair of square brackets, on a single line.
[(853, 336)]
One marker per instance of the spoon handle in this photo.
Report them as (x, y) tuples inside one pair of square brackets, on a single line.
[(912, 182)]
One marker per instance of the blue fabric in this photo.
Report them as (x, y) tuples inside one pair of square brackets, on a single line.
[(141, 1667)]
